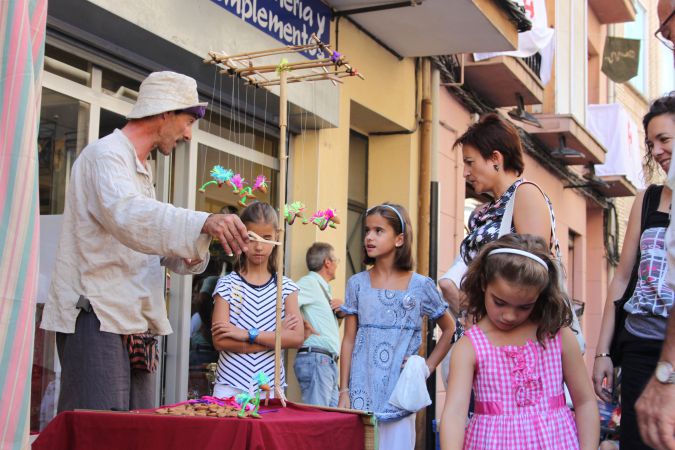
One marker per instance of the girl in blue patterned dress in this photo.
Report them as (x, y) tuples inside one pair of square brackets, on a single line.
[(383, 326)]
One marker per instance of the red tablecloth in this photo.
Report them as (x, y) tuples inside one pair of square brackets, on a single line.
[(294, 428)]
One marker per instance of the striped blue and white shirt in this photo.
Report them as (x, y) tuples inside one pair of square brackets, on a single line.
[(251, 306)]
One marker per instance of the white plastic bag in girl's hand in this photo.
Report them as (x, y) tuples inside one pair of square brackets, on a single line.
[(410, 392)]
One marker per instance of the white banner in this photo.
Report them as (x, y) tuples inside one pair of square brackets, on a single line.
[(618, 133), (538, 39)]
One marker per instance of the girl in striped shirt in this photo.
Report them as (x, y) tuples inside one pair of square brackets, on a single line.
[(245, 310)]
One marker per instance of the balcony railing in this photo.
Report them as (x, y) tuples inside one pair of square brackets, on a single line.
[(534, 63)]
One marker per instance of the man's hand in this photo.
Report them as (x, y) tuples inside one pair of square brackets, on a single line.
[(229, 230), (335, 304), (656, 415), (309, 329)]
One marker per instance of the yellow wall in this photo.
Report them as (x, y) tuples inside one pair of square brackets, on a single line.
[(319, 163)]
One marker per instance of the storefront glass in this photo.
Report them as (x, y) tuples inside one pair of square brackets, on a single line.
[(358, 201), (64, 124)]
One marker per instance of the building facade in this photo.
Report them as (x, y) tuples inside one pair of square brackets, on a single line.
[(350, 146)]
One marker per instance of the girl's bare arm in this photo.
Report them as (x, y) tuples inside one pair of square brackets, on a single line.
[(585, 404), (351, 325)]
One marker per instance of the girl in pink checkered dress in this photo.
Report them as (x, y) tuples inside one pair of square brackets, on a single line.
[(516, 357)]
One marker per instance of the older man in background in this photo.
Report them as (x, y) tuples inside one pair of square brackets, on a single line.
[(316, 362)]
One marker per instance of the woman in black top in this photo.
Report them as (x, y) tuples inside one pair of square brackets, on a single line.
[(648, 302)]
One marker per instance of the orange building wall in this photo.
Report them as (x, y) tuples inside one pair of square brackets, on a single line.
[(573, 213)]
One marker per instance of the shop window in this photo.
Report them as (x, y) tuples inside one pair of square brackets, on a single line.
[(64, 123), (357, 201), (241, 129), (120, 86), (62, 134), (109, 121), (67, 65), (638, 30), (214, 198)]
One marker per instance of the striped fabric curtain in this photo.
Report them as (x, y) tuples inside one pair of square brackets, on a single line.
[(22, 38)]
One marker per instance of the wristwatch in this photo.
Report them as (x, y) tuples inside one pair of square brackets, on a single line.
[(252, 334), (664, 372)]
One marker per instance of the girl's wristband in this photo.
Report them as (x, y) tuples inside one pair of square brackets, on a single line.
[(602, 355), (342, 391)]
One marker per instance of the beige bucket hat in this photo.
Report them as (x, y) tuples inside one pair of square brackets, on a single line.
[(166, 91)]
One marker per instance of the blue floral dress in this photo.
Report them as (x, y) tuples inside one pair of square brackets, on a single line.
[(390, 328)]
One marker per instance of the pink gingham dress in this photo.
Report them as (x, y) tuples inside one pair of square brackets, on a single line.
[(520, 403)]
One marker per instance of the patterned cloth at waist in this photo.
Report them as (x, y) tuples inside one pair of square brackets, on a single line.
[(495, 408)]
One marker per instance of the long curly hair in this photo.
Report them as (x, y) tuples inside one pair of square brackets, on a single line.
[(551, 311)]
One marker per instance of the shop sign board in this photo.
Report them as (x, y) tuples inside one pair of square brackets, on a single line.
[(291, 22)]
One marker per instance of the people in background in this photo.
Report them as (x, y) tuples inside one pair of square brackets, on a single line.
[(316, 361)]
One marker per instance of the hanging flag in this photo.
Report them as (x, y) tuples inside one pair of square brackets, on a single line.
[(620, 58), (22, 42)]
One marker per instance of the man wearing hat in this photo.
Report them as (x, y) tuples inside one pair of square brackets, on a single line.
[(108, 282)]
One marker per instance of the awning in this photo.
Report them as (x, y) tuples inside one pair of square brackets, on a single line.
[(501, 79), (617, 186), (567, 139), (613, 11), (434, 27)]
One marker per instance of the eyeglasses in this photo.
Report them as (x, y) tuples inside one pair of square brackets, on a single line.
[(665, 40)]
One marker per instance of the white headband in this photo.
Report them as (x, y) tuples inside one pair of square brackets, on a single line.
[(400, 217), (515, 251)]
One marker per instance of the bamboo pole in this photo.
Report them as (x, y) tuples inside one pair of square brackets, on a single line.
[(231, 65), (293, 66), (331, 53), (268, 52), (283, 117), (333, 76)]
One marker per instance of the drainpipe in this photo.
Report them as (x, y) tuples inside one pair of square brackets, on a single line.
[(424, 201), (433, 243), (424, 171)]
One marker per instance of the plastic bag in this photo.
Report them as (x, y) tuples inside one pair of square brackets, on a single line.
[(410, 392)]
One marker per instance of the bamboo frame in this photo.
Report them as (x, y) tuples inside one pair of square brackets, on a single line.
[(270, 52), (234, 65)]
